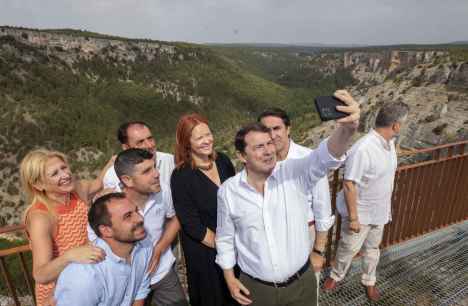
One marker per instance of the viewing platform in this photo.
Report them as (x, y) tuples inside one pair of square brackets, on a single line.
[(431, 270), (424, 257)]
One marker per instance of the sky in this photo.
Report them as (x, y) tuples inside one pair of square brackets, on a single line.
[(369, 22)]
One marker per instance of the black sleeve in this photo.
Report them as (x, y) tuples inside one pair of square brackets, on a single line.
[(185, 207)]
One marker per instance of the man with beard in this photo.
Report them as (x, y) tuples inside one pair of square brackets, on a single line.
[(122, 278), (137, 134), (263, 218), (140, 182), (365, 201)]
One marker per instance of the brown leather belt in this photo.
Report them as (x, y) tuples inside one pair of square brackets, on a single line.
[(287, 282)]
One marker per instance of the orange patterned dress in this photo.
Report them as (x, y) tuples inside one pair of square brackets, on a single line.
[(70, 232)]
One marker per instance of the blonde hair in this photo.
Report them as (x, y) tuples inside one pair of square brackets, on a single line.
[(33, 172)]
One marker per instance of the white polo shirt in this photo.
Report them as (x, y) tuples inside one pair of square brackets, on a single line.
[(371, 164), (319, 197), (159, 207), (164, 163), (268, 234)]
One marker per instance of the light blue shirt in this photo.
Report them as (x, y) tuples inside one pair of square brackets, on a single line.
[(110, 282), (157, 208)]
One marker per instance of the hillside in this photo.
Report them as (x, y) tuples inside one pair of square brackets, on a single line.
[(70, 90)]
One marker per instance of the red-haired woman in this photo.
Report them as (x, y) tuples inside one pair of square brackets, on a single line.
[(194, 184)]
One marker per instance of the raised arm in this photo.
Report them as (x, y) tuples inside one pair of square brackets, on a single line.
[(341, 138), (86, 189)]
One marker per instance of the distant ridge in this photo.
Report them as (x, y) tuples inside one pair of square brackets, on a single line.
[(460, 42), (285, 45)]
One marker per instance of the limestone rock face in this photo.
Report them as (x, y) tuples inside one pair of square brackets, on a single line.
[(429, 82)]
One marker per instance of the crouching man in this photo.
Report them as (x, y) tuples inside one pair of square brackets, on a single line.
[(122, 277)]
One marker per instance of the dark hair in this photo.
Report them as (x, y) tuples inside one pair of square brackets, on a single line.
[(128, 159), (275, 112), (98, 214), (391, 113), (239, 141), (122, 132)]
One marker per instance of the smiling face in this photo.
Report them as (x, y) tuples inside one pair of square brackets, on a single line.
[(144, 178), (201, 141), (279, 133), (140, 136), (259, 156), (127, 223), (58, 178)]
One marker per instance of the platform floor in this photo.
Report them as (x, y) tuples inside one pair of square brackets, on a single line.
[(430, 270)]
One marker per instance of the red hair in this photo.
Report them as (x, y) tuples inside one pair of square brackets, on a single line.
[(185, 126)]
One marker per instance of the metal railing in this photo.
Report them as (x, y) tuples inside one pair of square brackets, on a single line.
[(20, 252), (428, 195)]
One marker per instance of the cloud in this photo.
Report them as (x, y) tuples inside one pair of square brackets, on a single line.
[(292, 21)]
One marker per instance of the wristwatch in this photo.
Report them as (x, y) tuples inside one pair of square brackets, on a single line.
[(321, 253)]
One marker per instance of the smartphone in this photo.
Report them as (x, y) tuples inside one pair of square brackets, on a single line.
[(326, 108)]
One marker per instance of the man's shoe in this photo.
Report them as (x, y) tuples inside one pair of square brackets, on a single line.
[(372, 293), (329, 284)]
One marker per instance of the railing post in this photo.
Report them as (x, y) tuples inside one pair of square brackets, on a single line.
[(450, 151), (8, 281), (27, 276), (461, 149), (335, 183)]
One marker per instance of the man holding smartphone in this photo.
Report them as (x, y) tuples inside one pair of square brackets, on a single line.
[(263, 215), (365, 201), (321, 218)]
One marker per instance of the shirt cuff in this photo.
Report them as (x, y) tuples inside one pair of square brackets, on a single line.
[(323, 225), (226, 261), (327, 159)]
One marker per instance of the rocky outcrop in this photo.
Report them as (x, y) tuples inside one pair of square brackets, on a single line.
[(72, 48), (429, 82)]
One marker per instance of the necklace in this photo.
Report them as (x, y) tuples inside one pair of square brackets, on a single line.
[(206, 168)]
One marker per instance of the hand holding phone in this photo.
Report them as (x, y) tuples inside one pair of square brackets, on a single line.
[(326, 108)]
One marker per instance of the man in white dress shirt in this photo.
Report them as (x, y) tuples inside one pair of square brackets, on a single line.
[(263, 217), (137, 134), (365, 201), (321, 218), (140, 182)]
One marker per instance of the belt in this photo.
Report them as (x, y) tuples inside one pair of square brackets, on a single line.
[(287, 282)]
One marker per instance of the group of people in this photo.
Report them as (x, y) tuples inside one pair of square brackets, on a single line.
[(252, 238)]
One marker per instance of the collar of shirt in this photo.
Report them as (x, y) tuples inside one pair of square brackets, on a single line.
[(383, 142), (243, 178), (111, 255), (296, 151), (154, 199)]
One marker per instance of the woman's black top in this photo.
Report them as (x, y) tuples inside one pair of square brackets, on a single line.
[(195, 203)]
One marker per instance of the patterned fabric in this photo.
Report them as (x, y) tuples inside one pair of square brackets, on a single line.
[(70, 232)]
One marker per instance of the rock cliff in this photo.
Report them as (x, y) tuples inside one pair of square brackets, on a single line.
[(430, 82)]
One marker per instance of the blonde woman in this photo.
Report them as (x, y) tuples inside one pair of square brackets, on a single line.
[(56, 220)]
